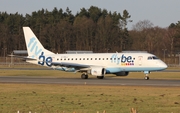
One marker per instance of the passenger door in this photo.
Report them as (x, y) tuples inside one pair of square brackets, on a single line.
[(140, 59)]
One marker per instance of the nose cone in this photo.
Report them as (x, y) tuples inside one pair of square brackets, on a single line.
[(163, 65)]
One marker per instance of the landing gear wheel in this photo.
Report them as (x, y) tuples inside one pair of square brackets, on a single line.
[(84, 76), (146, 75), (146, 78), (100, 77)]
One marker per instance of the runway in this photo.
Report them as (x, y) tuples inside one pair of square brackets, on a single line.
[(92, 81)]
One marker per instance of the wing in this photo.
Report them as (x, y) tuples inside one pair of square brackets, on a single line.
[(76, 66), (66, 64)]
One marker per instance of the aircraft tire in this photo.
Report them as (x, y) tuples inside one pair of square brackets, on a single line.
[(100, 77), (146, 78), (84, 76)]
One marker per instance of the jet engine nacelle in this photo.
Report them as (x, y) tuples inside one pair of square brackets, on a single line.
[(122, 73), (98, 71)]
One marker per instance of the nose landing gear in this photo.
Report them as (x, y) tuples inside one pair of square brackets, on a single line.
[(146, 76)]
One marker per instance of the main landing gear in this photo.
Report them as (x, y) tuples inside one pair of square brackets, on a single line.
[(84, 76)]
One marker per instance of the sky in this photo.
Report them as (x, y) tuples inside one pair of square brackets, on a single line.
[(159, 12)]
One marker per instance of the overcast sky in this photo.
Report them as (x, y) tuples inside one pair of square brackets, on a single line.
[(160, 12)]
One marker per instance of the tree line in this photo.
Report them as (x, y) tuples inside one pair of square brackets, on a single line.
[(92, 29)]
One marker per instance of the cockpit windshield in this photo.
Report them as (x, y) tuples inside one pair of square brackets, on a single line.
[(155, 57), (152, 57)]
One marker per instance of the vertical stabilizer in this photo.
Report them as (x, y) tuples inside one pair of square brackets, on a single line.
[(34, 47)]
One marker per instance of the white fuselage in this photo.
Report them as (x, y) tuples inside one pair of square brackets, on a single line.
[(112, 62)]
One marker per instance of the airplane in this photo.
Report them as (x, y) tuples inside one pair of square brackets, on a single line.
[(96, 64)]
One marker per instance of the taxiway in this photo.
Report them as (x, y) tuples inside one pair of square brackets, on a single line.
[(91, 81)]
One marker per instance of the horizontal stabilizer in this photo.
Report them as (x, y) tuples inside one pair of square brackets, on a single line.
[(23, 57)]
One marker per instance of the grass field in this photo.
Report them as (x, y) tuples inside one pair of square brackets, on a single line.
[(55, 98), (43, 98)]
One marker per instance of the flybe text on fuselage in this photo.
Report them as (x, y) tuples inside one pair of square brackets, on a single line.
[(122, 60)]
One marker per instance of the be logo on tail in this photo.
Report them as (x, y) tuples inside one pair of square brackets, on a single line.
[(44, 60)]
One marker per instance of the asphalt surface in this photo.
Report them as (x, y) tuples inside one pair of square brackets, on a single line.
[(92, 81), (53, 69)]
